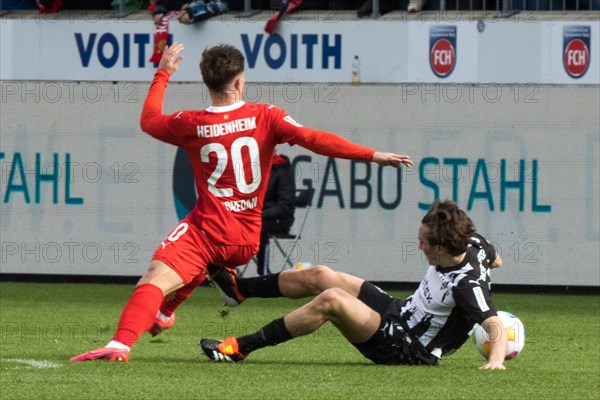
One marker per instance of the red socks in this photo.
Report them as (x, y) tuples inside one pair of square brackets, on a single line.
[(172, 301), (140, 310), (138, 314)]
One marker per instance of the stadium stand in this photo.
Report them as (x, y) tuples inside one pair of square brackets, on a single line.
[(370, 8)]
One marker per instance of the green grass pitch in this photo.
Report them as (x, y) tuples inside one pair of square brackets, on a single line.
[(43, 325)]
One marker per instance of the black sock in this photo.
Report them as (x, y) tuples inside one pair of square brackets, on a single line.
[(271, 334), (260, 286)]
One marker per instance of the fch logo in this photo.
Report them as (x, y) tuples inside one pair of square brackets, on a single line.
[(576, 49), (442, 49)]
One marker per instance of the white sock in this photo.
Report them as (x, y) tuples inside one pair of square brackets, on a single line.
[(117, 345)]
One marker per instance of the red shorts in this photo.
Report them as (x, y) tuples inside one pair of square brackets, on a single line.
[(187, 251)]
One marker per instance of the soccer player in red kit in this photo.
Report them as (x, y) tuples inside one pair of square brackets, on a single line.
[(230, 146)]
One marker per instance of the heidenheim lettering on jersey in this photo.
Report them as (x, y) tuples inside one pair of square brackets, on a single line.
[(225, 128)]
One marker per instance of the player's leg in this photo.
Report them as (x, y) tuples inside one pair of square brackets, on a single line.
[(291, 284), (313, 281), (165, 318), (141, 309), (177, 260), (174, 300), (138, 313), (355, 320)]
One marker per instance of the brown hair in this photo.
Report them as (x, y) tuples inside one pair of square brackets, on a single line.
[(219, 65), (449, 227)]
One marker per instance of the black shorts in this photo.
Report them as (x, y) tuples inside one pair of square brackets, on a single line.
[(391, 344)]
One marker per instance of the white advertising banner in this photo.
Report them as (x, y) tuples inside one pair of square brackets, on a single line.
[(84, 191), (390, 51)]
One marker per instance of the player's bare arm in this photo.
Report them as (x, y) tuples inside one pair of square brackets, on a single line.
[(392, 159), (498, 342), (171, 59), (497, 262)]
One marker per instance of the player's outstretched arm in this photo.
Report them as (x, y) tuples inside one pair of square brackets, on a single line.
[(329, 144), (171, 59), (498, 342), (497, 263), (152, 121), (391, 159)]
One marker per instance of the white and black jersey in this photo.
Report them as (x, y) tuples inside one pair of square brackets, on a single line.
[(449, 301)]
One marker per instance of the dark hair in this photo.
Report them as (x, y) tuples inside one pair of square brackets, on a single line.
[(219, 65), (449, 227)]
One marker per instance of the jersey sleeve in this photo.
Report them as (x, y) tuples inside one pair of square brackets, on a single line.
[(320, 142), (489, 248), (475, 300), (152, 121)]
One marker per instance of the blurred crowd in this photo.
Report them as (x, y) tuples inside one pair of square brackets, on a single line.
[(363, 8)]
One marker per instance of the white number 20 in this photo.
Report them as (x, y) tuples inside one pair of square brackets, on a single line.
[(238, 167)]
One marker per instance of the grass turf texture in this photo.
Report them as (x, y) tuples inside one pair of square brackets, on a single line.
[(43, 325)]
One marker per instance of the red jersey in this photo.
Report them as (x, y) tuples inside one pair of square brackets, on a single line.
[(231, 151)]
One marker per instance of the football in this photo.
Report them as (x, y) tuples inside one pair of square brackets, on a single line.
[(514, 329)]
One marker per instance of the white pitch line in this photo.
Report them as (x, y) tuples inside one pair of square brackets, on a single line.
[(32, 363)]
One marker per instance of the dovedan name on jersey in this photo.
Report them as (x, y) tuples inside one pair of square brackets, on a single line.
[(236, 125), (241, 205)]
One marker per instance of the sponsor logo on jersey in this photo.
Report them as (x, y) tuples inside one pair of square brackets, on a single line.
[(479, 296), (576, 49), (442, 49)]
